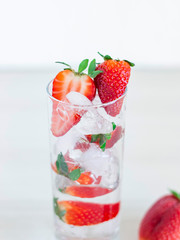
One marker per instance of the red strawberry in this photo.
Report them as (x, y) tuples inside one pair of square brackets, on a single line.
[(82, 145), (67, 81), (115, 136), (162, 221), (86, 192), (85, 214), (106, 140), (112, 82), (63, 116)]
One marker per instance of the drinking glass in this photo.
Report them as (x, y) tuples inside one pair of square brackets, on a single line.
[(86, 164)]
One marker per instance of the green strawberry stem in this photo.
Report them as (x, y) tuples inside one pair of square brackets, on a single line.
[(64, 64), (175, 194), (107, 57)]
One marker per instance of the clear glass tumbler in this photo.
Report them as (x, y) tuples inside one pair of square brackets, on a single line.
[(86, 163)]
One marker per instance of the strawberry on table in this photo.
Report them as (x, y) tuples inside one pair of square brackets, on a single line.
[(85, 214), (65, 117), (162, 221), (112, 82), (85, 191)]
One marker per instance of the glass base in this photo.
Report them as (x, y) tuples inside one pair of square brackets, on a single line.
[(114, 237)]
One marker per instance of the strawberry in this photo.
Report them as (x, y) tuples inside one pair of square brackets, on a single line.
[(115, 136), (85, 191), (82, 145), (67, 167), (106, 140), (162, 221), (85, 214), (112, 82), (65, 117)]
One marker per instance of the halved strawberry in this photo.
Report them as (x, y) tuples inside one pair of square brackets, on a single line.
[(65, 117), (85, 214), (85, 191)]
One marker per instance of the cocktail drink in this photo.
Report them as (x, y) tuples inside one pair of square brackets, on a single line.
[(86, 138)]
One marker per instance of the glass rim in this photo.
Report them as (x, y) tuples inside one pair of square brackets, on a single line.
[(84, 106)]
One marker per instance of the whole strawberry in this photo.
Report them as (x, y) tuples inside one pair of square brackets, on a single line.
[(162, 221), (112, 82)]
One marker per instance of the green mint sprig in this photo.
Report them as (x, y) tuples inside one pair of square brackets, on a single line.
[(62, 169), (58, 212)]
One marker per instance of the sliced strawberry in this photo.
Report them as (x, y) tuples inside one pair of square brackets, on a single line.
[(85, 214), (82, 145), (106, 140), (63, 118), (86, 192), (115, 136)]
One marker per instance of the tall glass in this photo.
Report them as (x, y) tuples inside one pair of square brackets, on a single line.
[(86, 163)]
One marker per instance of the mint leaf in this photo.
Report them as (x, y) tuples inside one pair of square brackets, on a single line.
[(61, 214), (92, 66), (64, 64), (55, 206), (130, 63), (95, 137), (61, 165), (95, 73), (114, 125), (107, 136), (75, 174), (83, 65)]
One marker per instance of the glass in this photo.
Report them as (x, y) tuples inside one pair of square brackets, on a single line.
[(86, 165)]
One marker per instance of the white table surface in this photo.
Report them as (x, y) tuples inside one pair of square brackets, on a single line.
[(152, 151)]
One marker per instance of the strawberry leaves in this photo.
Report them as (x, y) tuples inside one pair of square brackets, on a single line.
[(83, 65), (62, 169), (91, 70), (130, 63)]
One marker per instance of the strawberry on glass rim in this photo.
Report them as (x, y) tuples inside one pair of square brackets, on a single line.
[(112, 82), (66, 81)]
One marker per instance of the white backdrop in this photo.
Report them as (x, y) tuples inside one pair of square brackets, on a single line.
[(38, 32)]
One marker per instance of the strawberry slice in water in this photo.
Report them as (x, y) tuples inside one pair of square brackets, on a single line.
[(86, 191), (85, 214)]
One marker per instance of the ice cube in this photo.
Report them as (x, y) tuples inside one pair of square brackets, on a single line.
[(102, 164), (77, 98), (67, 141), (92, 123)]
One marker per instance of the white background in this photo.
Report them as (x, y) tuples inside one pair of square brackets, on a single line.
[(33, 35), (39, 32)]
